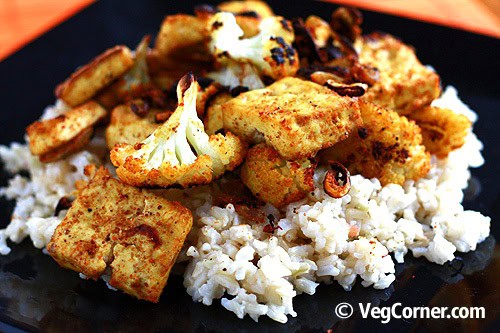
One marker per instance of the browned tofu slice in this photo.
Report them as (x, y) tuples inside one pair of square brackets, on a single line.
[(126, 126), (134, 232), (388, 147), (53, 139), (182, 38), (296, 117), (442, 129), (274, 180), (87, 81), (404, 84)]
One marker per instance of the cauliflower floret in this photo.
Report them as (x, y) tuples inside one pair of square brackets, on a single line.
[(179, 152), (443, 130), (270, 51), (235, 74), (275, 180), (131, 85)]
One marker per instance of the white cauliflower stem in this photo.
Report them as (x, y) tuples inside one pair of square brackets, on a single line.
[(270, 51), (179, 152)]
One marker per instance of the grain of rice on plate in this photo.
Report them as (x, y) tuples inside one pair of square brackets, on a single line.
[(256, 273)]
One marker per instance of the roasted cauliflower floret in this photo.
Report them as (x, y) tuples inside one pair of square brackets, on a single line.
[(275, 180), (90, 79), (234, 74), (248, 14), (388, 147), (134, 232), (404, 84), (166, 157), (247, 7), (133, 83), (56, 138), (214, 120), (442, 129), (320, 30), (296, 117), (270, 51)]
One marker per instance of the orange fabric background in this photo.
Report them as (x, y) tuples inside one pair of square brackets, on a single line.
[(480, 16), (23, 20)]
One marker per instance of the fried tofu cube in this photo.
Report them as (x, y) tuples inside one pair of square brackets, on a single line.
[(126, 126), (55, 138), (388, 147), (442, 129), (136, 233), (182, 39), (274, 180), (296, 117), (404, 85), (87, 81)]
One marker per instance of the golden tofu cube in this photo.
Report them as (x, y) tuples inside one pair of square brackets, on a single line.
[(296, 117), (55, 138), (87, 81), (182, 38), (136, 233), (128, 127), (404, 85)]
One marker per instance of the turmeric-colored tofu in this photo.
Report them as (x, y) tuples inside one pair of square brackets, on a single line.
[(442, 129), (182, 39), (404, 85), (56, 138), (132, 231), (87, 81), (295, 117), (275, 180), (388, 147), (126, 126)]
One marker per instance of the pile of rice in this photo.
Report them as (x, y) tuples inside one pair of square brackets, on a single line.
[(257, 273)]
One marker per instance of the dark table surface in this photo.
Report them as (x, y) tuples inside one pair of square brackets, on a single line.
[(37, 295)]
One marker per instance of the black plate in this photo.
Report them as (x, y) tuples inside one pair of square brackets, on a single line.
[(37, 295)]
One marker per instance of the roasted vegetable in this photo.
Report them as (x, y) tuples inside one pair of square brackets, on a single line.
[(387, 146), (132, 84), (275, 180), (404, 85), (442, 129), (166, 157), (247, 8), (270, 51)]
